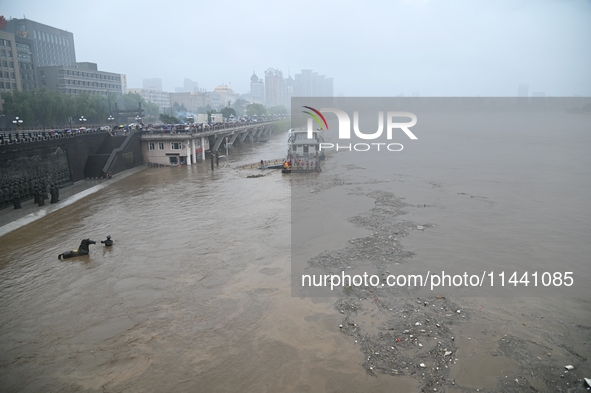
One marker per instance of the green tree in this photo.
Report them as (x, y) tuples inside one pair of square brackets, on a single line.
[(50, 108), (277, 110), (227, 112), (152, 109), (240, 106), (17, 104), (168, 119), (179, 107), (204, 109), (256, 109), (130, 101)]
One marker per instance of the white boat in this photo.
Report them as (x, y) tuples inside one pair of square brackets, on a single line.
[(303, 154)]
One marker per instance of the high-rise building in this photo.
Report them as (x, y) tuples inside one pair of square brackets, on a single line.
[(9, 71), (158, 97), (257, 89), (276, 92), (188, 87), (24, 54), (523, 91), (309, 84), (51, 46), (193, 101), (123, 83), (80, 78), (153, 84)]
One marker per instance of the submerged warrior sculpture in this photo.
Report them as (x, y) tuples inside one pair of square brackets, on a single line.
[(82, 249), (107, 242)]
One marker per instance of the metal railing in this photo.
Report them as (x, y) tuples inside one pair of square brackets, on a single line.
[(8, 138)]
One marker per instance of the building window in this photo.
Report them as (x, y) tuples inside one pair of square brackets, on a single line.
[(151, 146), (176, 145), (160, 145)]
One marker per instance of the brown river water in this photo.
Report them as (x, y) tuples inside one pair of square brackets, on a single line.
[(195, 295)]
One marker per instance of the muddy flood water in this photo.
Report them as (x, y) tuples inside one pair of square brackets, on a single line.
[(196, 293)]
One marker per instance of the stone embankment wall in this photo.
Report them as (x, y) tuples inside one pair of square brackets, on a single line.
[(63, 160)]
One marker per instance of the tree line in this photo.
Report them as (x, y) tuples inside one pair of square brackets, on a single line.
[(49, 109), (45, 108)]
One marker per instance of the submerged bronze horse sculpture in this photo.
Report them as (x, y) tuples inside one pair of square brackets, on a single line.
[(82, 249)]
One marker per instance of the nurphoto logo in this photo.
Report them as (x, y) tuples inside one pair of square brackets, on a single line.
[(345, 129)]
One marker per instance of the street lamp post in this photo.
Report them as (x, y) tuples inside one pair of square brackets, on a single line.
[(138, 119), (191, 121), (82, 120), (111, 118), (18, 123), (227, 155)]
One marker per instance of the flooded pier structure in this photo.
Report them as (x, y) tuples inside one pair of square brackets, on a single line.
[(186, 148)]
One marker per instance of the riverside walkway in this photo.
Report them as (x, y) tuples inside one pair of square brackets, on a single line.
[(12, 219)]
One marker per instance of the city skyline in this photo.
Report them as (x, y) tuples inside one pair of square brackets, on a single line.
[(410, 47)]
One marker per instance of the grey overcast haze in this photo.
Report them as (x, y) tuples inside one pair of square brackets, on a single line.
[(370, 48)]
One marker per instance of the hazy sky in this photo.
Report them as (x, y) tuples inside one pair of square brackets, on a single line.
[(371, 48)]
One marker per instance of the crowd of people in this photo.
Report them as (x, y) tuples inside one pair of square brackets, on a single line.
[(28, 136), (304, 163), (194, 128)]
